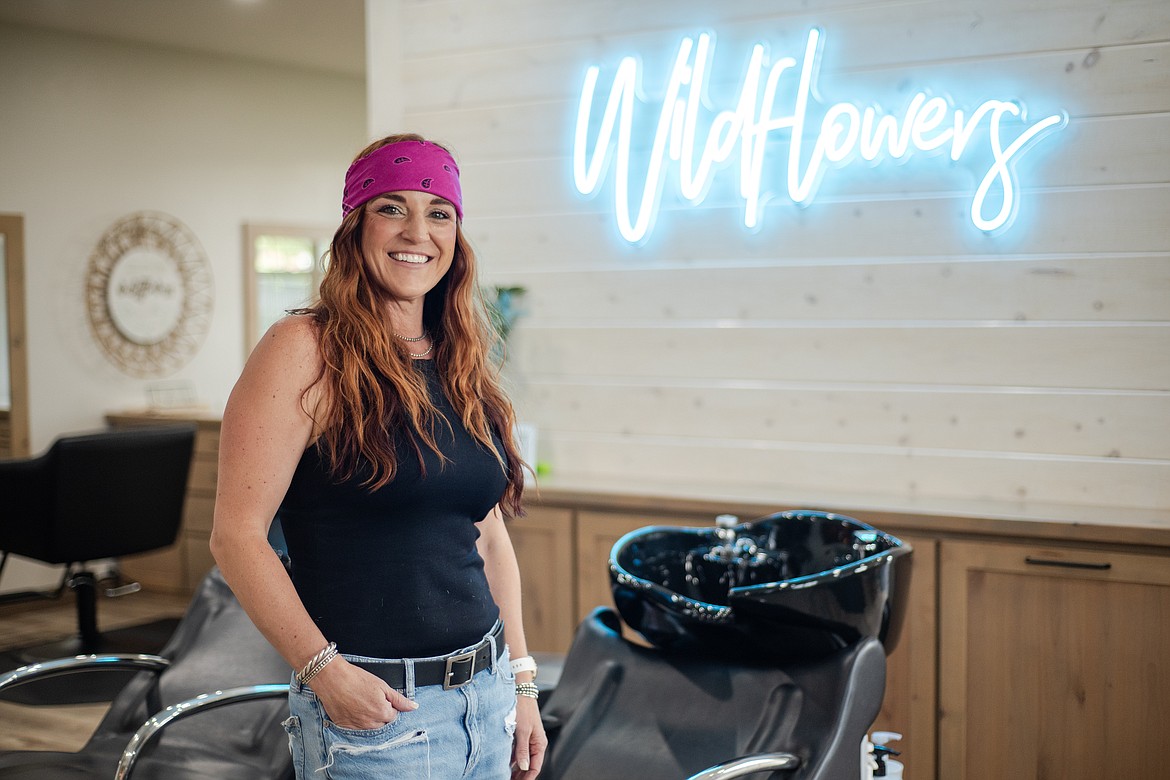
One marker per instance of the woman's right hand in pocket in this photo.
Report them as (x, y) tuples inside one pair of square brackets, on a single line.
[(355, 699)]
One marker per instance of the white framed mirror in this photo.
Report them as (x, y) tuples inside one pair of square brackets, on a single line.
[(14, 436)]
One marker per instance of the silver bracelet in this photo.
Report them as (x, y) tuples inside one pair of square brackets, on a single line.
[(329, 656), (317, 663), (527, 689)]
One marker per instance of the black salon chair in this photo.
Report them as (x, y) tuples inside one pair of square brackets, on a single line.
[(158, 727), (621, 710), (90, 497)]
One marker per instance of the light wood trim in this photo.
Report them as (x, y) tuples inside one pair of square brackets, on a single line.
[(889, 290), (12, 226), (1087, 423), (1135, 483)]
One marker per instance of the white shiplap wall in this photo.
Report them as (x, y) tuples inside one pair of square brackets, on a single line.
[(872, 343)]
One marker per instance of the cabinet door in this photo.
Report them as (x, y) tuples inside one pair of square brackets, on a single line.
[(910, 704), (544, 550), (1052, 663), (597, 532)]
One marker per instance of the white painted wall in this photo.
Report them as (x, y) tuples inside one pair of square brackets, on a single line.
[(871, 348), (92, 130)]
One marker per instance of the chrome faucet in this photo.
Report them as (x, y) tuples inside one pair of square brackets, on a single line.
[(724, 551)]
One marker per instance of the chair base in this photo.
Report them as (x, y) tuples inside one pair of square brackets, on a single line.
[(85, 586), (145, 638)]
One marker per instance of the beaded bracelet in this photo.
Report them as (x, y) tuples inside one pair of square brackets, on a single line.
[(528, 689), (317, 663)]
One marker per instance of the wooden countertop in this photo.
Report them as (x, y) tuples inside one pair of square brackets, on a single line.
[(195, 414)]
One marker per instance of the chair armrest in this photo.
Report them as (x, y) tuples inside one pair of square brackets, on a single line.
[(108, 662), (201, 703), (748, 765)]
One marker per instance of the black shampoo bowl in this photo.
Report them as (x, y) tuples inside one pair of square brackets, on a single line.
[(793, 585)]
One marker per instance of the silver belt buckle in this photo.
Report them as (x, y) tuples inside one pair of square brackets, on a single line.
[(469, 659)]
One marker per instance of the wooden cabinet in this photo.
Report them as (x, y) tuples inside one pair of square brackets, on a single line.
[(544, 550), (1053, 662), (597, 532)]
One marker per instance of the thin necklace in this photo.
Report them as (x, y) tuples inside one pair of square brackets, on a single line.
[(422, 354), (412, 338)]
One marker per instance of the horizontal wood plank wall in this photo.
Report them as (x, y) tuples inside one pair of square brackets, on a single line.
[(872, 342)]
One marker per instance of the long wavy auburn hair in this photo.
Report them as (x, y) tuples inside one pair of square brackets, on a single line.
[(372, 392)]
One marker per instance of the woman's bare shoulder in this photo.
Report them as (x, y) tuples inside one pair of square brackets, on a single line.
[(294, 337), (294, 329), (287, 355)]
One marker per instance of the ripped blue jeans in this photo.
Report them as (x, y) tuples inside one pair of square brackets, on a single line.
[(464, 732)]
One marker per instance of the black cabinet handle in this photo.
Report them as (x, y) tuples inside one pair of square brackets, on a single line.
[(1068, 564)]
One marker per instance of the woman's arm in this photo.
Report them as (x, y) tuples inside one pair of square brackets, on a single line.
[(266, 428), (503, 575)]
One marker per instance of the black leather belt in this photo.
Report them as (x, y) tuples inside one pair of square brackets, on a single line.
[(450, 671)]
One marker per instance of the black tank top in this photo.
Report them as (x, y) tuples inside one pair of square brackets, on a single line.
[(395, 573)]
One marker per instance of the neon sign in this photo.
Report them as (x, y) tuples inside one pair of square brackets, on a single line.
[(847, 132)]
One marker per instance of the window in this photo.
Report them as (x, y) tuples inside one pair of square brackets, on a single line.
[(284, 267)]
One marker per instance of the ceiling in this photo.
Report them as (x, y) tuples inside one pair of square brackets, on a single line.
[(324, 35)]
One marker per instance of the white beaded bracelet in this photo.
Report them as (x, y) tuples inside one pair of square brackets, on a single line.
[(528, 690), (524, 664)]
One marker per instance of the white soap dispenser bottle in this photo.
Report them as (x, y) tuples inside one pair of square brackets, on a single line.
[(887, 767)]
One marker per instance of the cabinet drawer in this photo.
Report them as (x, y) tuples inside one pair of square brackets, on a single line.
[(1059, 561), (198, 511), (201, 478), (207, 441)]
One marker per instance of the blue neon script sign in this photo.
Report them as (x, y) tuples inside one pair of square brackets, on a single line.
[(847, 133)]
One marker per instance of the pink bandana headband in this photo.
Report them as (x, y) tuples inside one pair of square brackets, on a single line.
[(419, 166)]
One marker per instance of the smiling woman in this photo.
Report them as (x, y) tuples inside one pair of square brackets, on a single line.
[(373, 424)]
